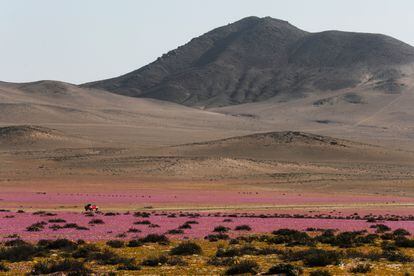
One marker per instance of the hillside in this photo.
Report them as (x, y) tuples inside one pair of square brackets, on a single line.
[(291, 146), (255, 59), (36, 137)]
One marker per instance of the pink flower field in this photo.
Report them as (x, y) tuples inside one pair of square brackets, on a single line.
[(13, 223)]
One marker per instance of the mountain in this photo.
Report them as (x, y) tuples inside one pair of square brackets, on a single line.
[(255, 59)]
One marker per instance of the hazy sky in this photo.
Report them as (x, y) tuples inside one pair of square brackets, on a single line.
[(85, 40)]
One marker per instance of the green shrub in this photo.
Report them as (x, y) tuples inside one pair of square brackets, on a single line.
[(216, 261), (401, 232), (85, 251), (115, 243), (221, 229), (243, 227), (243, 267), (313, 257), (134, 243), (3, 267), (57, 244), (155, 260), (155, 238), (74, 267), (175, 232), (18, 253), (108, 257), (217, 237), (320, 272), (285, 269), (361, 268), (186, 248)]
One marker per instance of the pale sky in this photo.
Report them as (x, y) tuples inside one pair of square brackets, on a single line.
[(85, 40)]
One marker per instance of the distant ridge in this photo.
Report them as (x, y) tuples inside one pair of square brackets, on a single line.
[(255, 59)]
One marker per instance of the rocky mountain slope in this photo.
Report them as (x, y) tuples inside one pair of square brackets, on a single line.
[(255, 59)]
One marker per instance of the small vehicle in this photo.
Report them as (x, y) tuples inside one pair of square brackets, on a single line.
[(91, 208)]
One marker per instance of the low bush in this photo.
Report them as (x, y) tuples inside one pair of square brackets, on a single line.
[(361, 268), (57, 244), (134, 230), (285, 269), (404, 242), (131, 266), (217, 237), (185, 226), (72, 266), (155, 260), (15, 242), (57, 220), (143, 222), (18, 253), (400, 232), (243, 267), (396, 256), (221, 229), (115, 243), (3, 267), (320, 272), (86, 251), (243, 227), (186, 248), (313, 257), (108, 257), (175, 232), (134, 243), (36, 227), (216, 261), (96, 221), (155, 238)]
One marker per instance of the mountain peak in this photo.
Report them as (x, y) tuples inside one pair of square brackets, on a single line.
[(255, 58)]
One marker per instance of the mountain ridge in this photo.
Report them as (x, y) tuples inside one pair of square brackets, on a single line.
[(255, 59)]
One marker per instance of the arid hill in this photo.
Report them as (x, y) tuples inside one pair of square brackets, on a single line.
[(37, 137), (292, 146), (255, 59)]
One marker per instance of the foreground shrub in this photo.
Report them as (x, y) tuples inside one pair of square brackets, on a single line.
[(361, 268), (155, 260), (155, 238), (215, 261), (396, 256), (115, 243), (108, 257), (175, 232), (244, 267), (320, 272), (36, 227), (15, 242), (313, 257), (186, 248), (74, 267), (18, 253), (134, 243), (3, 267), (217, 237), (57, 244), (221, 229), (96, 221), (85, 251), (285, 269), (243, 227), (131, 266), (404, 242), (400, 232)]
